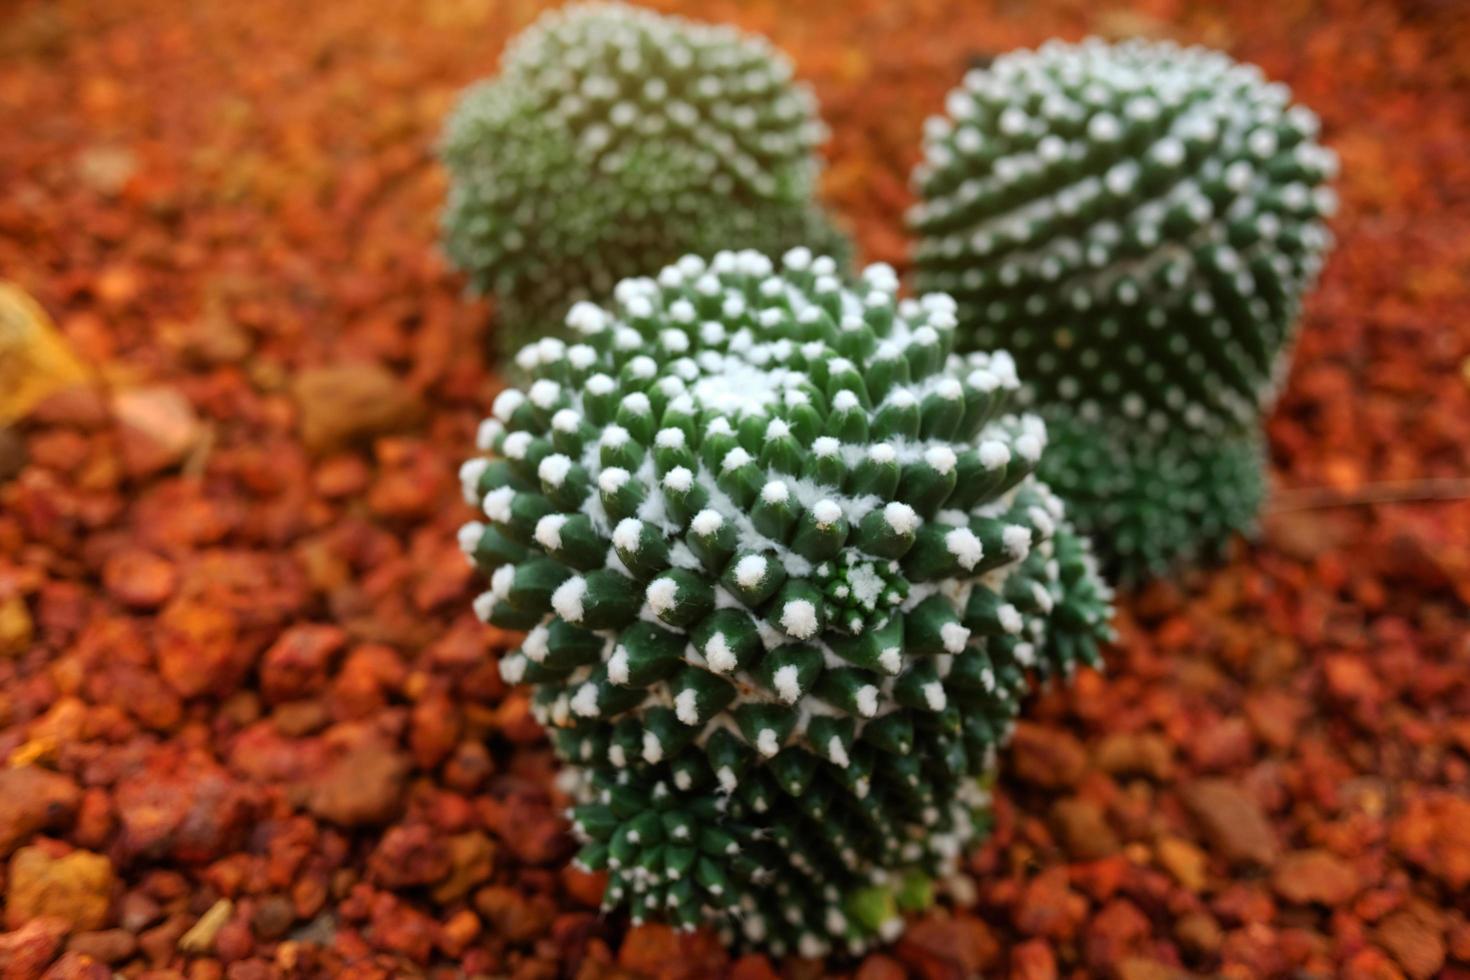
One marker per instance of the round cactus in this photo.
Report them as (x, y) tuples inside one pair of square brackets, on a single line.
[(1136, 223), (786, 575), (615, 140)]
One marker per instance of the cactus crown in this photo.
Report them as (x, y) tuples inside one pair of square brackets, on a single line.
[(785, 570), (613, 141), (1136, 223)]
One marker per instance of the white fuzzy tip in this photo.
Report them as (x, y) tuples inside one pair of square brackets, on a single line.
[(567, 599), (867, 700), (750, 571), (727, 779), (662, 594), (584, 702), (965, 546), (942, 458), (1010, 618), (488, 431), (653, 749), (686, 708), (994, 454), (669, 439), (766, 743), (706, 522), (775, 492), (1016, 539), (734, 459), (934, 696), (497, 504), (718, 655), (788, 684), (617, 666), (612, 479), (891, 659), (679, 479), (799, 618), (825, 447), (954, 637), (483, 604), (826, 513), (627, 535), (469, 537), (469, 479), (837, 752), (535, 645), (1029, 447), (548, 531), (882, 453), (506, 403), (900, 517)]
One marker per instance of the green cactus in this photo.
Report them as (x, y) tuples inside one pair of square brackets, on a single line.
[(614, 141), (1136, 223), (787, 576)]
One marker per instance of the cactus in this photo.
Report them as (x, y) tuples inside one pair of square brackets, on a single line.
[(1136, 223), (786, 576), (615, 140)]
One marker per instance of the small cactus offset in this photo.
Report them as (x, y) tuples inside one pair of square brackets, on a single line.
[(1137, 224), (787, 576), (615, 140)]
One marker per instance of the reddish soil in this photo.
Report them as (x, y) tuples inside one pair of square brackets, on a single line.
[(249, 727)]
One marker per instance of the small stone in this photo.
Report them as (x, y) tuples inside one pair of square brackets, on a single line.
[(347, 403), (877, 966), (1084, 829), (1134, 754), (75, 888), (297, 664), (1434, 833), (1309, 876), (1033, 960), (456, 935), (139, 579), (106, 945), (12, 454), (1184, 861), (25, 952), (941, 946), (197, 649), (362, 786), (471, 863), (1232, 820), (514, 916), (200, 937), (157, 428), (31, 800), (273, 917), (1416, 945), (1198, 934), (408, 856), (1048, 907), (1046, 757), (16, 627), (77, 966)]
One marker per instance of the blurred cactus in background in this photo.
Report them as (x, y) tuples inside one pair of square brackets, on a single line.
[(787, 578), (615, 140), (1136, 223)]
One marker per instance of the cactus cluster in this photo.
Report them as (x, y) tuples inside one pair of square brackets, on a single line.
[(614, 141), (1136, 223), (787, 576)]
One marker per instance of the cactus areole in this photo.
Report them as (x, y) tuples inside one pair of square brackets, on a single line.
[(1137, 224), (786, 576)]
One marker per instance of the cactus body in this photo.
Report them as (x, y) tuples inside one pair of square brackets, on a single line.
[(787, 576), (615, 140), (1136, 223)]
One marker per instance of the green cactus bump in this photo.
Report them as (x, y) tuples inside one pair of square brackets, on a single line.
[(787, 577), (614, 141), (1136, 224)]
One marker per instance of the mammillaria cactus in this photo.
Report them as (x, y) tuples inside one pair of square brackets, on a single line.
[(1137, 224), (786, 575), (614, 141)]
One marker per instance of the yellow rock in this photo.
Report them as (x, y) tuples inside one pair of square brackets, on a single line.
[(35, 361), (15, 627)]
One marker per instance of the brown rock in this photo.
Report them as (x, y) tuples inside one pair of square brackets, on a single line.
[(513, 915), (471, 862), (1416, 945), (75, 888), (197, 649), (346, 403), (184, 807), (139, 578), (77, 966), (1135, 754), (297, 664), (1048, 907), (877, 966), (25, 952), (273, 917), (33, 799), (1198, 933), (1232, 820), (1033, 960), (1434, 833), (363, 785), (1184, 861), (938, 947), (1046, 757), (1314, 875), (16, 626), (409, 855), (157, 427), (105, 946), (1083, 829)]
